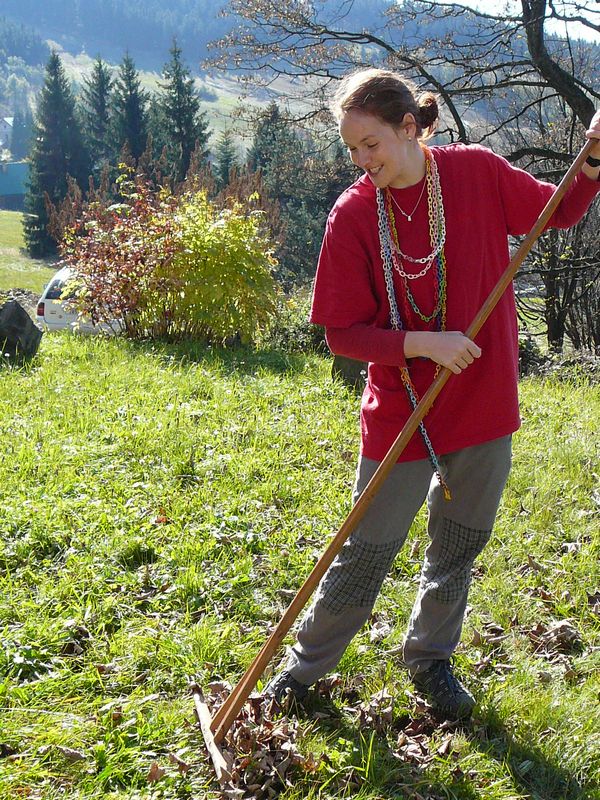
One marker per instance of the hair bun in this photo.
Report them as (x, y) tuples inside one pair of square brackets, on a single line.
[(428, 110)]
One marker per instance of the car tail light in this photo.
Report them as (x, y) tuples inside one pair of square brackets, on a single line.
[(40, 310)]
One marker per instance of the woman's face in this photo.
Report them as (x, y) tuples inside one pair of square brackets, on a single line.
[(387, 154)]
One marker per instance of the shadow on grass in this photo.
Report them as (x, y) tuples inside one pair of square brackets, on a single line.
[(234, 359), (376, 770), (372, 768), (530, 769)]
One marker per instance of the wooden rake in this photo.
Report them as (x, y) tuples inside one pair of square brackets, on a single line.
[(214, 729)]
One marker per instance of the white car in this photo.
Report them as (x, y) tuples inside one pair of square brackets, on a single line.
[(53, 311)]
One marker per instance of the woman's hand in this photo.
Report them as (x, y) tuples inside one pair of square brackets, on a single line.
[(593, 132), (451, 349)]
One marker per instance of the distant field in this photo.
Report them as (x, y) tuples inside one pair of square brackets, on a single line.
[(221, 111), (17, 270)]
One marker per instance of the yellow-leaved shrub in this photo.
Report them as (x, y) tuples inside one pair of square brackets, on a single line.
[(171, 267), (223, 268)]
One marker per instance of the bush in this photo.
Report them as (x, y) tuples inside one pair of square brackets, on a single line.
[(291, 330), (171, 267), (530, 355), (223, 271)]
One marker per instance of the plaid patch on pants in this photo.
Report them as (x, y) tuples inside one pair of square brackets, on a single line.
[(449, 576), (355, 577)]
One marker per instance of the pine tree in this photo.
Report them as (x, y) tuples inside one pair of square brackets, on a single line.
[(96, 115), (277, 150), (226, 158), (58, 151), (157, 126), (130, 116), (263, 144), (22, 133), (185, 124)]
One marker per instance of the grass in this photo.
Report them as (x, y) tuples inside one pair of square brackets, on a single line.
[(17, 270), (158, 504)]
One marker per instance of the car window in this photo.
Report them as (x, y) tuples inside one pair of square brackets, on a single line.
[(55, 290)]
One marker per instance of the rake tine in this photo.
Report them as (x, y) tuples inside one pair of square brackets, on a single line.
[(202, 712)]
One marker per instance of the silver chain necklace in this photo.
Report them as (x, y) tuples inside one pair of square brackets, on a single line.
[(404, 214)]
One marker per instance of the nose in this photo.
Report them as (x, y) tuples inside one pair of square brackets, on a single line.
[(360, 157)]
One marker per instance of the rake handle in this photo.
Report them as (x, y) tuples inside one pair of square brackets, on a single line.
[(229, 710)]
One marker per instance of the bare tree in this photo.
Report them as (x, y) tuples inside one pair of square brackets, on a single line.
[(467, 56)]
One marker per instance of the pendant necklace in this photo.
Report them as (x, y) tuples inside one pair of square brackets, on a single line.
[(409, 217), (389, 247)]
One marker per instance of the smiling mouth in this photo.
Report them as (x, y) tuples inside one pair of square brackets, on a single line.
[(375, 171)]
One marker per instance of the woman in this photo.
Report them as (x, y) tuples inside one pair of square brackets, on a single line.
[(410, 252)]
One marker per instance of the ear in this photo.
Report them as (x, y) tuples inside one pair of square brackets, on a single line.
[(409, 125)]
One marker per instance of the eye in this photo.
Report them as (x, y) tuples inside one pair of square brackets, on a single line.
[(371, 146)]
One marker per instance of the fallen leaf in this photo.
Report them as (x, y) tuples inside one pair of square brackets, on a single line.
[(182, 765), (594, 602), (446, 746), (161, 518), (379, 631), (105, 669), (377, 712), (545, 595), (533, 564), (561, 635), (155, 773), (70, 754)]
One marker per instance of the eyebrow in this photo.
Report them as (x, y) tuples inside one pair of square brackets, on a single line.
[(368, 136)]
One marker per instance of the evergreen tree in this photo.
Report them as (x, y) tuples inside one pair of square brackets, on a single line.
[(22, 133), (277, 148), (130, 123), (185, 124), (157, 126), (226, 158), (58, 151), (263, 144), (96, 114)]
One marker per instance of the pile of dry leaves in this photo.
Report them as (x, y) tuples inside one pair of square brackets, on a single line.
[(261, 748)]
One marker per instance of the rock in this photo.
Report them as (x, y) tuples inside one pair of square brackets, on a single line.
[(19, 337)]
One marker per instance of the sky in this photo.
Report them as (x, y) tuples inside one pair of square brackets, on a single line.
[(576, 30)]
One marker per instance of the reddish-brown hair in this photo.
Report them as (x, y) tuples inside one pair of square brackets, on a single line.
[(382, 93)]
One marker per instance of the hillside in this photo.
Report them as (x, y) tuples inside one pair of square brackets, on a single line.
[(145, 28)]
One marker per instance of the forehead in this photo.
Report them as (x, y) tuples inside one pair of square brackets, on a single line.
[(356, 125)]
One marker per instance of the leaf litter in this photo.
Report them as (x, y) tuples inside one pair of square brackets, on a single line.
[(261, 748)]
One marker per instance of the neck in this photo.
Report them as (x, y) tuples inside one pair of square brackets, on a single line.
[(415, 170)]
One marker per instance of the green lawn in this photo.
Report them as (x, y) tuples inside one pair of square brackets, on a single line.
[(17, 270), (159, 504)]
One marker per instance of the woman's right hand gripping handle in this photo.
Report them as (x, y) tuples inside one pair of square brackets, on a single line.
[(451, 349)]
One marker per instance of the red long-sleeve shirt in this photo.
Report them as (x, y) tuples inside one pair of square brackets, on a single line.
[(485, 200)]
